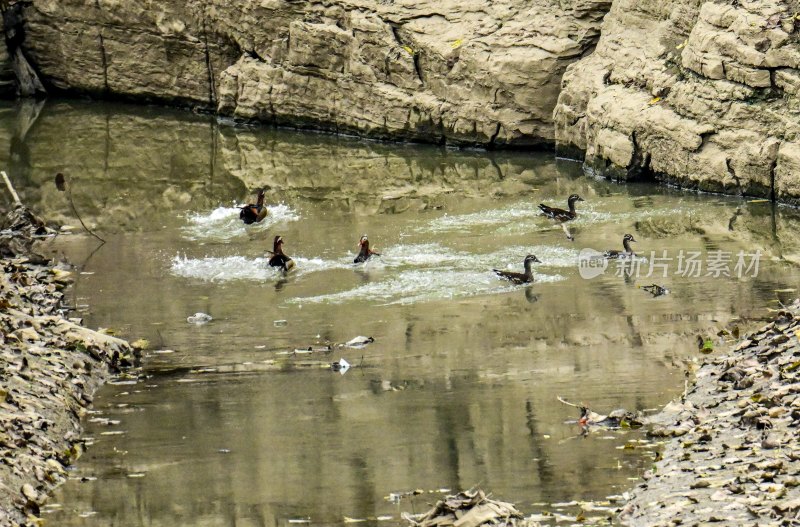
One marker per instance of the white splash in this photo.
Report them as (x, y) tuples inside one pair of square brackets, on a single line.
[(462, 222), (424, 285), (223, 223), (231, 268), (223, 269)]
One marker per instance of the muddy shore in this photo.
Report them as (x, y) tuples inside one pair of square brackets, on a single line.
[(50, 366)]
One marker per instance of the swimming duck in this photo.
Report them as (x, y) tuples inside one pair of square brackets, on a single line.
[(365, 252), (359, 341), (278, 258), (254, 213), (561, 214), (628, 252), (520, 278), (655, 289)]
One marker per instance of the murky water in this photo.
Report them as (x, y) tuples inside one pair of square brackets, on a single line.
[(232, 426)]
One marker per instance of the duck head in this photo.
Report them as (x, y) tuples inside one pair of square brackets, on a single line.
[(573, 198), (363, 241), (276, 244), (628, 238), (531, 259)]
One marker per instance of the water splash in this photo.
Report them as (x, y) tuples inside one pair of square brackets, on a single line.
[(223, 223), (228, 268), (484, 218), (433, 272), (422, 286), (585, 218), (525, 217), (440, 257), (232, 268), (414, 273)]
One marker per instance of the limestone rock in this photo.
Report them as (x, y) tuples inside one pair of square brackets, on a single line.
[(701, 94), (467, 72)]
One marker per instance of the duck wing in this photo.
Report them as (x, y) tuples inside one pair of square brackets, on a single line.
[(248, 215), (282, 261), (517, 278), (611, 255), (556, 213)]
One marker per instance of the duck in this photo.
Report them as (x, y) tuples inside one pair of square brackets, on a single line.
[(627, 253), (359, 341), (561, 214), (254, 212), (278, 258), (655, 289), (520, 278), (365, 253)]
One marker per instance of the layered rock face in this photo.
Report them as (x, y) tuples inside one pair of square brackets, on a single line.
[(702, 94), (467, 72)]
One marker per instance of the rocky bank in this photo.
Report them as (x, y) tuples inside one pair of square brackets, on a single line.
[(468, 72), (50, 365), (734, 457), (703, 95)]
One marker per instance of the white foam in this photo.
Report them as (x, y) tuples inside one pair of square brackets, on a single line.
[(424, 285), (462, 222), (586, 217), (433, 272), (228, 268), (223, 223), (231, 268)]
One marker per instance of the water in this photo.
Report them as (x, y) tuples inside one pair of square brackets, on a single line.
[(231, 426)]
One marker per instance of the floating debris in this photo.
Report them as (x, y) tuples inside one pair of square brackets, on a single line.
[(199, 318), (342, 366), (470, 508), (396, 497), (619, 418)]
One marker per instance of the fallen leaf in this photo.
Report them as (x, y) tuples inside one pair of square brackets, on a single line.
[(141, 344)]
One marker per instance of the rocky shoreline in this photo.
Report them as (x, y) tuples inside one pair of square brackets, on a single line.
[(702, 95), (50, 365), (733, 457)]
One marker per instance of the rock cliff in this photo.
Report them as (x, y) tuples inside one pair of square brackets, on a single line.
[(700, 94), (703, 95), (468, 72)]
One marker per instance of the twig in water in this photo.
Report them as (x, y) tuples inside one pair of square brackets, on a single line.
[(11, 188), (61, 186), (567, 402)]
